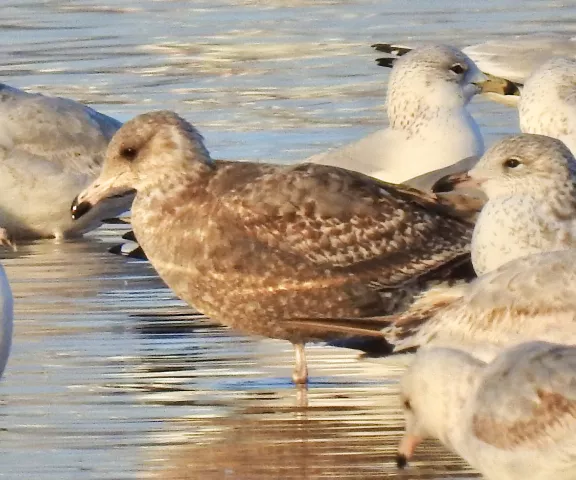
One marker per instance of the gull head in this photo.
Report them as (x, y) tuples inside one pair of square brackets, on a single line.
[(434, 76), (433, 392), (156, 147), (521, 164)]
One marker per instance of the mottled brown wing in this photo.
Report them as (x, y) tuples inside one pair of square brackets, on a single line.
[(342, 220), (527, 398)]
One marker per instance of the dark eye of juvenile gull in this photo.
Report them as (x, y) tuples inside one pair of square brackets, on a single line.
[(512, 163), (129, 153), (407, 404), (457, 68)]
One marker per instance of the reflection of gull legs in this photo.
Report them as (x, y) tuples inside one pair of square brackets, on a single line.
[(300, 374)]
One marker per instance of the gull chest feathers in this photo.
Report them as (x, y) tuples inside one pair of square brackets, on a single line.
[(520, 225)]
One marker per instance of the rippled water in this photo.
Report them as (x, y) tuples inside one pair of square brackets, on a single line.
[(107, 379)]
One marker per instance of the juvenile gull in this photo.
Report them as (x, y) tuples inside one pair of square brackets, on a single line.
[(530, 298), (250, 244), (512, 418), (50, 149), (429, 126), (531, 208)]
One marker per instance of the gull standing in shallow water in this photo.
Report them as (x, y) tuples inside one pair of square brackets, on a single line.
[(430, 128), (50, 149), (250, 244), (512, 418)]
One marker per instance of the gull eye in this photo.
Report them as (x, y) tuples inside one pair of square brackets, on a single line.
[(407, 404), (512, 163), (129, 153), (457, 69)]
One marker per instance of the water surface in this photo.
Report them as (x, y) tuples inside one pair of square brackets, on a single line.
[(105, 381)]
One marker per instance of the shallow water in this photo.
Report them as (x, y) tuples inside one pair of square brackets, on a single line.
[(106, 381)]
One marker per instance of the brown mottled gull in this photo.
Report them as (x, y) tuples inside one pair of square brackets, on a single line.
[(429, 126), (531, 208), (512, 418), (50, 149), (251, 244)]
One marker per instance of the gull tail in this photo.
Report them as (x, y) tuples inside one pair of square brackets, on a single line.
[(399, 330)]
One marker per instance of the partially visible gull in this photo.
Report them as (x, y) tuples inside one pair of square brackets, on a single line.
[(250, 244), (530, 298), (512, 418), (429, 126), (510, 57), (50, 149), (531, 208), (547, 107), (516, 57), (548, 101), (6, 319)]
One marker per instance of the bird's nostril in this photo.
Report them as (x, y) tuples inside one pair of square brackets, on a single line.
[(79, 209)]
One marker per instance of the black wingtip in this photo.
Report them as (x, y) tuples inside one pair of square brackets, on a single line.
[(129, 235), (123, 249), (401, 461), (78, 210), (116, 249), (390, 48), (138, 254), (387, 62), (370, 346), (382, 47)]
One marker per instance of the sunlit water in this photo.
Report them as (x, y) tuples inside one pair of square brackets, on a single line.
[(105, 382)]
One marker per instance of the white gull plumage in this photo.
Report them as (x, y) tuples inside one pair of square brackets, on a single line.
[(530, 298), (512, 418), (430, 127), (50, 149), (548, 102), (531, 208)]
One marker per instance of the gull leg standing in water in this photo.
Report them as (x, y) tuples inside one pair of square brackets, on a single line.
[(250, 244)]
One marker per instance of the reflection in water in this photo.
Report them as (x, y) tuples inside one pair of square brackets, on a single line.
[(275, 443), (105, 381)]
